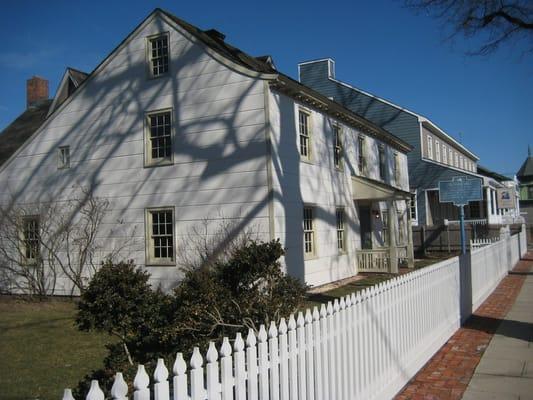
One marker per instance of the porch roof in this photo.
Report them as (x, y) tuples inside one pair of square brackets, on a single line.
[(370, 189)]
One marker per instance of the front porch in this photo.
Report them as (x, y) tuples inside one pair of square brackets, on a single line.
[(385, 221)]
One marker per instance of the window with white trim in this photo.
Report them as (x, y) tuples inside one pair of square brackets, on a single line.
[(160, 236), (430, 147), (385, 227), (412, 207), (158, 55), (341, 234), (396, 166), (309, 232), (361, 156), (63, 157), (158, 138), (456, 164), (437, 150), (305, 136), (382, 163), (444, 154), (30, 240), (461, 162), (337, 146)]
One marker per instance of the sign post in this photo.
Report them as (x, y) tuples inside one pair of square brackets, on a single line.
[(459, 191)]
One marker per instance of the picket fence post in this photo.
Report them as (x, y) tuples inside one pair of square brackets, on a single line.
[(240, 368), (226, 365), (213, 384), (119, 390), (179, 382), (161, 387), (95, 393), (284, 360), (251, 359), (140, 384), (67, 395)]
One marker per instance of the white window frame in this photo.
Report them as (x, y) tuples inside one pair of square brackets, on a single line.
[(23, 240), (337, 146), (305, 136), (397, 169), (430, 147), (382, 163), (149, 161), (151, 259), (361, 155), (444, 154), (63, 157), (150, 58), (456, 163), (414, 207), (437, 150), (309, 231), (341, 229)]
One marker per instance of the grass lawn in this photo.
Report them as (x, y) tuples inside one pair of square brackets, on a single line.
[(41, 351)]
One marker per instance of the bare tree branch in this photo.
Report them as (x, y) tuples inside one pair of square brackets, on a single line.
[(493, 22)]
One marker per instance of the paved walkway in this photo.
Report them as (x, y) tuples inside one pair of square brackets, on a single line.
[(506, 368), (448, 374)]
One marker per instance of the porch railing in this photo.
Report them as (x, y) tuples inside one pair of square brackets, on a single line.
[(375, 260)]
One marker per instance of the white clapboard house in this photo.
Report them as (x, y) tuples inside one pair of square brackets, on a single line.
[(176, 127)]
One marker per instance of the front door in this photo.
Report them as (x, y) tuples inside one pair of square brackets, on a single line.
[(366, 226)]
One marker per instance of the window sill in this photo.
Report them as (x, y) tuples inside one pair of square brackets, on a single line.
[(163, 163), (306, 161), (310, 257), (160, 264)]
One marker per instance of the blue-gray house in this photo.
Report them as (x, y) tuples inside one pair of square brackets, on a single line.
[(435, 156)]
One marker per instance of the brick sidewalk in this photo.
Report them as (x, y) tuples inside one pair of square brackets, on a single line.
[(447, 374)]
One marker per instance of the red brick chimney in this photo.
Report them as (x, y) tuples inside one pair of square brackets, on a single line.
[(36, 90)]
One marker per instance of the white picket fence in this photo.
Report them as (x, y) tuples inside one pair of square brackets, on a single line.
[(477, 243), (362, 346)]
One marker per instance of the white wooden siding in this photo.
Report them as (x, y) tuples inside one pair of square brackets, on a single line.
[(219, 144)]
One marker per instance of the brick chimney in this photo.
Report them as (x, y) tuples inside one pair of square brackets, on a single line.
[(36, 90)]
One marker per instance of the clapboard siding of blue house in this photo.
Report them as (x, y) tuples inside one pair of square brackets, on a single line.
[(425, 170)]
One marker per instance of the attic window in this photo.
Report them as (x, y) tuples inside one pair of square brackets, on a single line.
[(158, 54), (63, 157)]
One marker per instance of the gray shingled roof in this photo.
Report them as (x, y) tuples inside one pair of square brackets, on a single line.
[(16, 133)]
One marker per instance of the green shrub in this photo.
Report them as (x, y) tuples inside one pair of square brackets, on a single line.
[(230, 295)]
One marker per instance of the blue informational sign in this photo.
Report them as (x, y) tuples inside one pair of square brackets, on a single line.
[(460, 190)]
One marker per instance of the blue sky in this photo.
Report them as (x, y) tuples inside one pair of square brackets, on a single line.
[(378, 46)]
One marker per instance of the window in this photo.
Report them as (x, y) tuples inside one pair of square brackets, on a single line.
[(309, 233), (337, 146), (430, 147), (341, 238), (385, 227), (158, 138), (382, 163), (29, 246), (401, 229), (456, 164), (63, 157), (444, 154), (529, 193), (305, 138), (437, 150), (158, 54), (361, 160), (396, 168), (461, 162), (412, 207), (160, 235)]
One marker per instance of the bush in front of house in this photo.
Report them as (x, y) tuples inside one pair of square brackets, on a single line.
[(227, 296)]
